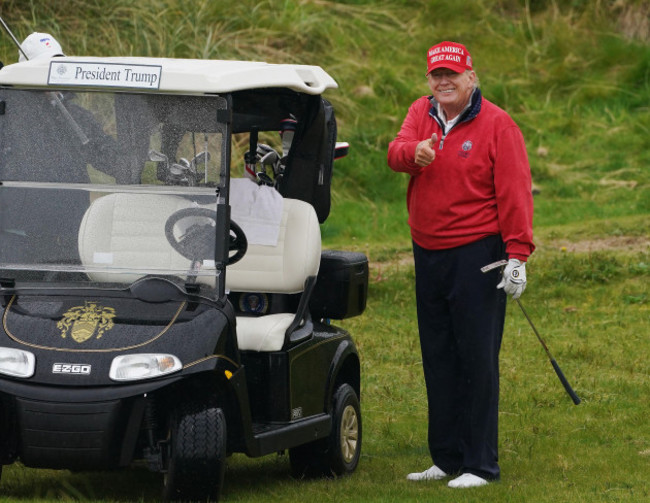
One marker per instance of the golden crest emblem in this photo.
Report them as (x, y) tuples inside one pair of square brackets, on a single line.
[(82, 322)]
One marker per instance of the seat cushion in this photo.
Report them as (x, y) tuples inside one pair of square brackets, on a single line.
[(262, 333)]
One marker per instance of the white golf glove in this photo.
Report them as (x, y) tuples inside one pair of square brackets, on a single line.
[(514, 278)]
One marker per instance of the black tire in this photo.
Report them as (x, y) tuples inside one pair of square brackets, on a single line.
[(338, 454), (197, 454), (345, 438)]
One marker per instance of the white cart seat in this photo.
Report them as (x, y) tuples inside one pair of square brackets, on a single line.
[(283, 268), (127, 232)]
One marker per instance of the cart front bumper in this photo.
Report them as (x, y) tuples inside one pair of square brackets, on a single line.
[(69, 435)]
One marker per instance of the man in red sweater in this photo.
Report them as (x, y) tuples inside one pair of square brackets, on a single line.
[(470, 203)]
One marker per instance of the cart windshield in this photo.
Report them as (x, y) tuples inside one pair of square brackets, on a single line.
[(93, 185)]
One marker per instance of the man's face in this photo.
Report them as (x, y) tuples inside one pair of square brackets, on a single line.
[(452, 90)]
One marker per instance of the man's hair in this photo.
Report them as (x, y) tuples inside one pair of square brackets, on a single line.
[(477, 83)]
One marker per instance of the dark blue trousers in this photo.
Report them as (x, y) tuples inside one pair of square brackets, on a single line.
[(460, 320)]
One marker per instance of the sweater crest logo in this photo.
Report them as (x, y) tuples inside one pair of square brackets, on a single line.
[(466, 147)]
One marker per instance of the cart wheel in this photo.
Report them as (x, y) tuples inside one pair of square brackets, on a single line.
[(345, 439), (339, 453), (197, 454)]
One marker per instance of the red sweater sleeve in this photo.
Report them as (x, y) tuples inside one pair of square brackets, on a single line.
[(513, 184), (401, 151)]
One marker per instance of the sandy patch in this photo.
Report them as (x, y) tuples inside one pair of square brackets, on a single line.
[(633, 244), (629, 243)]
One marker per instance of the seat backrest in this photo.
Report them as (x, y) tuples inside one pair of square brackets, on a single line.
[(282, 268), (127, 231)]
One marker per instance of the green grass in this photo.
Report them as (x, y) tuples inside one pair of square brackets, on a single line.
[(592, 310), (576, 78)]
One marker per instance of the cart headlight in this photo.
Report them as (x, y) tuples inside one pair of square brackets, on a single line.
[(143, 366), (16, 362)]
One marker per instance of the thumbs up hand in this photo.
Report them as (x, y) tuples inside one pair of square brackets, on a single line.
[(424, 152)]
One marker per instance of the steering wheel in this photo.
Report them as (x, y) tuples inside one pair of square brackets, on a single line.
[(193, 244)]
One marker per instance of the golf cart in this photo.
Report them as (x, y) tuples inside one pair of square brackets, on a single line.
[(156, 310)]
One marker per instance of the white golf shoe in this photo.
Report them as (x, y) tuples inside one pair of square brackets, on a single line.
[(467, 480), (433, 473)]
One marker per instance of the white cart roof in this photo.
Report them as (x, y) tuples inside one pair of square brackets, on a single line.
[(186, 76)]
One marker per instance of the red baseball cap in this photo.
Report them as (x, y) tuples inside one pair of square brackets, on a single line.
[(450, 55)]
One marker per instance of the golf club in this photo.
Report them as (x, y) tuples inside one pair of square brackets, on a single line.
[(556, 367)]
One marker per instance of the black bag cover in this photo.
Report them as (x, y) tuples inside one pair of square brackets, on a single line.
[(309, 169)]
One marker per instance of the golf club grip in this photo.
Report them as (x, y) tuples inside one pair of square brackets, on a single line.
[(565, 383)]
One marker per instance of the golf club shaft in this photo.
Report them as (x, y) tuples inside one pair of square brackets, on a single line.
[(556, 367), (11, 35)]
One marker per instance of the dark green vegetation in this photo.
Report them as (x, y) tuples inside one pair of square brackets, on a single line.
[(575, 76)]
